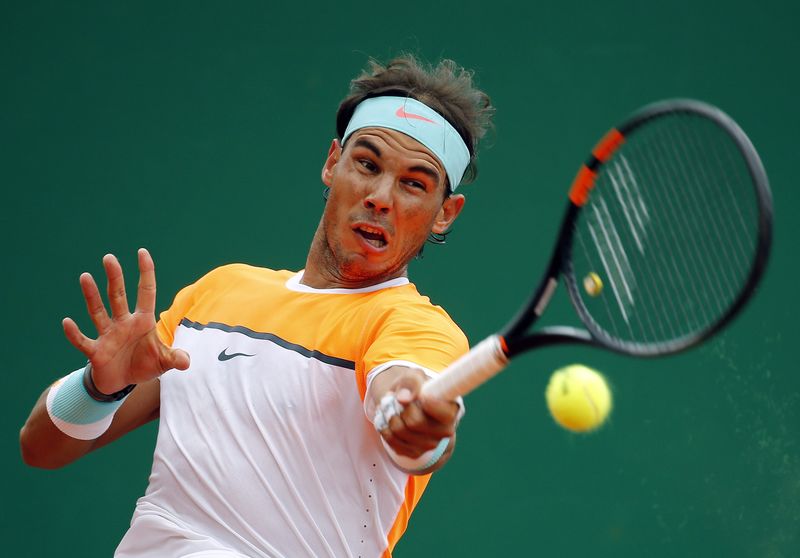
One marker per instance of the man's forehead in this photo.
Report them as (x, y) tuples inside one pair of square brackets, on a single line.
[(386, 138), (419, 122)]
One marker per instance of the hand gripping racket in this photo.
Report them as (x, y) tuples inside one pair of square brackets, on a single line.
[(665, 237)]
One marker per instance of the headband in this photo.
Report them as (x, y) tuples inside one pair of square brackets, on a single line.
[(419, 121)]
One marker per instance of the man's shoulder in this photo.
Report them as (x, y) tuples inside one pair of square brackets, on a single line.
[(239, 272), (409, 294), (406, 303), (411, 328)]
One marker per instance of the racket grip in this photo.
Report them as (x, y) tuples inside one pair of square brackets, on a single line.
[(480, 364)]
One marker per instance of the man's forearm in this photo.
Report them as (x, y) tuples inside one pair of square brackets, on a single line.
[(44, 445)]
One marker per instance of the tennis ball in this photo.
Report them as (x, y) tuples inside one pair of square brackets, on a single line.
[(578, 398), (592, 284)]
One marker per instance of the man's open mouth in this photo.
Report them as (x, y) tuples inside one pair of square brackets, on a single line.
[(373, 236)]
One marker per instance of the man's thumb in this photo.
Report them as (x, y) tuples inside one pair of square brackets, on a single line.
[(177, 358), (407, 388)]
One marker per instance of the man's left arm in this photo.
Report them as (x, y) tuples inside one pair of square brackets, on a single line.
[(420, 432)]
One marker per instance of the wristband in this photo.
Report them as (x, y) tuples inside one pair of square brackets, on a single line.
[(76, 413), (417, 465), (96, 394)]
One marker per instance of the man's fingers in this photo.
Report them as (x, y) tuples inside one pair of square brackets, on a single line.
[(78, 339), (440, 410), (146, 294), (180, 359), (407, 392), (406, 448), (416, 421), (117, 298), (408, 387), (173, 358), (411, 432), (422, 439), (94, 303), (409, 425)]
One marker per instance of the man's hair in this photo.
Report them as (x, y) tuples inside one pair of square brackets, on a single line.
[(447, 88)]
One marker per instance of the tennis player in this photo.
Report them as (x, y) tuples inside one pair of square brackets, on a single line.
[(276, 436)]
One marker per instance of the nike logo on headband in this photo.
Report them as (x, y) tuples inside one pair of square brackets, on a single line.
[(401, 112)]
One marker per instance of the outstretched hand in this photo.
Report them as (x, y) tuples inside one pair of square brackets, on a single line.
[(127, 349)]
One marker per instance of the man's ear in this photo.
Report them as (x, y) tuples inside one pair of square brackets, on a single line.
[(334, 153), (451, 207)]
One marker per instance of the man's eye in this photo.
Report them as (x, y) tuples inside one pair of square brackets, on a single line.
[(416, 184), (367, 164)]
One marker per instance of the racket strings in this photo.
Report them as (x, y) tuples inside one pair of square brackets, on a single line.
[(671, 228), (715, 227), (728, 248), (736, 225), (628, 181), (693, 227), (746, 215), (628, 195), (642, 320), (648, 296), (707, 245)]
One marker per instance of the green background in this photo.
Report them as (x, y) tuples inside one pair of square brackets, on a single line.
[(198, 129)]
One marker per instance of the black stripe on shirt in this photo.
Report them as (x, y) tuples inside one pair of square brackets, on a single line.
[(308, 353)]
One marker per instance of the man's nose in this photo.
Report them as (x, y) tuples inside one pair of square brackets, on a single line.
[(379, 197)]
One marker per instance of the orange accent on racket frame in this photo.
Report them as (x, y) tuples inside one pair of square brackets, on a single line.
[(608, 145), (583, 183), (503, 344)]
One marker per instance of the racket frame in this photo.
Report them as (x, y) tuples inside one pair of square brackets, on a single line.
[(491, 355), (513, 335)]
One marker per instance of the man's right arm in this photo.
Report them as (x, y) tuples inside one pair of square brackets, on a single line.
[(44, 445)]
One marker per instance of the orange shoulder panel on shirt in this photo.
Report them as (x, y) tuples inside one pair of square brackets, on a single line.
[(189, 299), (413, 330)]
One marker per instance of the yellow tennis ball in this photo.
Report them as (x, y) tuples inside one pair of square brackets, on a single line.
[(578, 398), (592, 284)]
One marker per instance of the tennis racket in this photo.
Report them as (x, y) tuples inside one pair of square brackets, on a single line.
[(665, 237)]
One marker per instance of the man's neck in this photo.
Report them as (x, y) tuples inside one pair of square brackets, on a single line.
[(321, 277), (324, 272)]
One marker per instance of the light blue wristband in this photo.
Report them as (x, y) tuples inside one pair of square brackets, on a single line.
[(417, 465), (73, 410), (437, 454)]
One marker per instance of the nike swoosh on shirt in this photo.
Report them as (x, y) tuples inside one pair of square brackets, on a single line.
[(401, 112), (223, 356)]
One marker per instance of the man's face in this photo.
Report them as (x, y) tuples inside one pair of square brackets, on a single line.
[(386, 195)]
